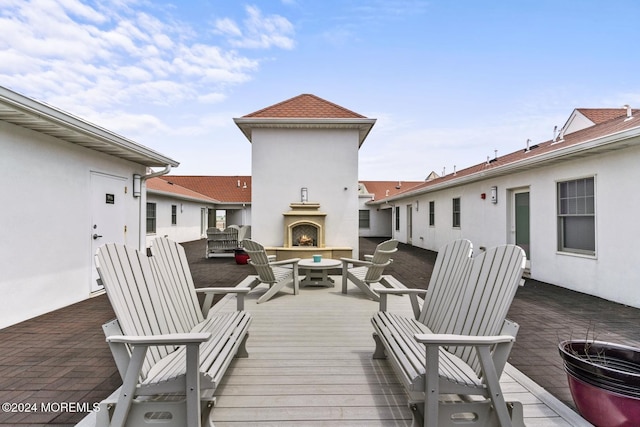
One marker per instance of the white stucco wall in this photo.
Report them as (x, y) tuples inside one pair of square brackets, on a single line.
[(46, 257), (379, 219), (188, 225), (611, 274), (238, 215), (324, 161)]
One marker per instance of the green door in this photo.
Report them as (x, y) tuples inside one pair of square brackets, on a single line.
[(522, 221)]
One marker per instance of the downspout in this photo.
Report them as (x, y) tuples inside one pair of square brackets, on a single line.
[(138, 184)]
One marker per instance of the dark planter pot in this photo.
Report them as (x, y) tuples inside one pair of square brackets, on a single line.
[(604, 379)]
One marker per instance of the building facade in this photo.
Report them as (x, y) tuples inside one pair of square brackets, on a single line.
[(71, 187), (569, 202)]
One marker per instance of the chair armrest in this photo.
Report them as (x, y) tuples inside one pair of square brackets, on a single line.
[(285, 261), (210, 292), (355, 261), (368, 257), (396, 291), (166, 339), (461, 340), (240, 290), (413, 297)]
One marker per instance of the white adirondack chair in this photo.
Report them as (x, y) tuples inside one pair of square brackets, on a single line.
[(271, 272), (460, 341), (161, 343), (366, 273), (172, 263)]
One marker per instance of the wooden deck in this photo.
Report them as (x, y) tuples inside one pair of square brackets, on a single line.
[(310, 365)]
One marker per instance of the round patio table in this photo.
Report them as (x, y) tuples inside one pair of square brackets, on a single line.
[(316, 273)]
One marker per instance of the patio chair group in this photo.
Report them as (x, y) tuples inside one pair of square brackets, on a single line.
[(171, 353)]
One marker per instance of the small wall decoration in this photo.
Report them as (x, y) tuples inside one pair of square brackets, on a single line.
[(110, 199)]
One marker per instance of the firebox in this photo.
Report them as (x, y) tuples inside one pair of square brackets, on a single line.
[(304, 225)]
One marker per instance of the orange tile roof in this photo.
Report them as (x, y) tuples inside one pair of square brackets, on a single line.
[(601, 115), (306, 106), (161, 185), (226, 189), (617, 124), (382, 189)]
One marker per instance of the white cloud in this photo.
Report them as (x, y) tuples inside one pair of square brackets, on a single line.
[(100, 60), (228, 27), (258, 31)]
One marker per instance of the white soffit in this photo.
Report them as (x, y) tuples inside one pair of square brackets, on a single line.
[(30, 114)]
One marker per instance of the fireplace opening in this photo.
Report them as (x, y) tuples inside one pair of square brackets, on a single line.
[(304, 235), (304, 226)]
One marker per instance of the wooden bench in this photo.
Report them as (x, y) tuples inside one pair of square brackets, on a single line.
[(459, 340), (170, 357)]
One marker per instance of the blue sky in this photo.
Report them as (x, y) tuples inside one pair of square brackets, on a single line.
[(448, 81)]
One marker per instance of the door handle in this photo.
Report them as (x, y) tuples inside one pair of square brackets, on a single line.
[(96, 236)]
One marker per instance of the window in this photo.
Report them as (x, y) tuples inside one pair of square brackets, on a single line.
[(397, 218), (363, 218), (576, 216), (174, 214), (432, 213), (456, 212), (151, 218)]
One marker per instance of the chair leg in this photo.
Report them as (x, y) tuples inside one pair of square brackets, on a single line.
[(192, 389), (431, 388), (296, 280), (242, 348), (364, 287), (493, 385), (127, 390), (344, 277), (273, 289), (379, 352)]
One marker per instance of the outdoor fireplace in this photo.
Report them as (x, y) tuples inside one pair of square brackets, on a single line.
[(304, 225), (304, 235)]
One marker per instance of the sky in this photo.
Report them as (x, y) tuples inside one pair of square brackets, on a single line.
[(449, 82)]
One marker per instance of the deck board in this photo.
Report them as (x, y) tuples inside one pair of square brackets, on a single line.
[(310, 364)]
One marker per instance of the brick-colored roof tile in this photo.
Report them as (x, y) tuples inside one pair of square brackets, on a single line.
[(382, 189), (306, 106), (601, 115), (226, 189), (160, 184)]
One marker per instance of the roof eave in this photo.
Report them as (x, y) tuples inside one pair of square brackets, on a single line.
[(181, 196), (561, 154), (247, 124), (31, 114)]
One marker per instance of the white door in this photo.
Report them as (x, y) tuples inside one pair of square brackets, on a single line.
[(107, 216)]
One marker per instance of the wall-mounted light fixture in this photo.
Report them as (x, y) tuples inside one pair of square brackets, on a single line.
[(417, 205), (137, 185), (494, 194), (304, 195)]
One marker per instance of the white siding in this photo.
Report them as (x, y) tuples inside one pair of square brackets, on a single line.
[(379, 220), (324, 161), (188, 225), (612, 273), (45, 221)]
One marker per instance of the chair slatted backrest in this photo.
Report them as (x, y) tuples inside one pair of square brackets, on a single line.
[(380, 260), (487, 293), (259, 260), (173, 268), (449, 270), (140, 305)]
